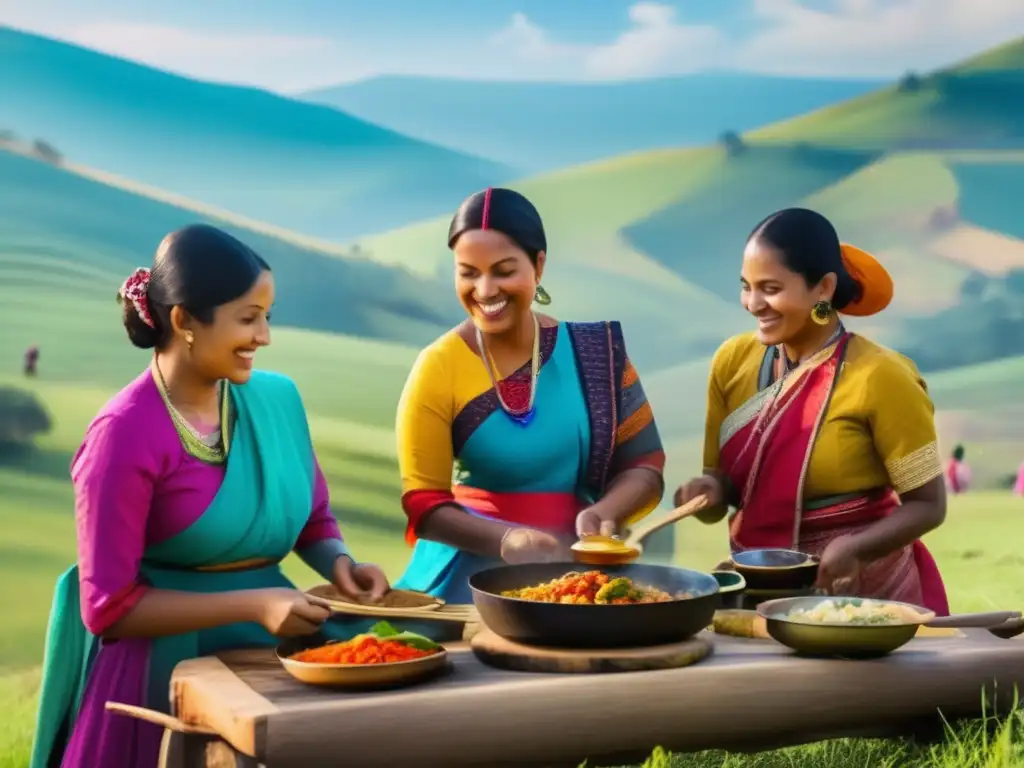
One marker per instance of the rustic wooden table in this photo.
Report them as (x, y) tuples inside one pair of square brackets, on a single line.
[(749, 694)]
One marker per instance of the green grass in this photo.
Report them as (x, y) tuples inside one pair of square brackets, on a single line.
[(977, 550)]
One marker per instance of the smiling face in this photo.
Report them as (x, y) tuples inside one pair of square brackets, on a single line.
[(779, 298), (224, 348), (495, 280)]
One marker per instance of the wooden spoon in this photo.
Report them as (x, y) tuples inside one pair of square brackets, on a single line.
[(610, 550), (457, 614)]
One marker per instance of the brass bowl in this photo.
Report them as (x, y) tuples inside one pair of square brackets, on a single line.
[(853, 641), (357, 676)]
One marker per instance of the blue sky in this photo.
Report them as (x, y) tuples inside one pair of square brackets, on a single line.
[(294, 45)]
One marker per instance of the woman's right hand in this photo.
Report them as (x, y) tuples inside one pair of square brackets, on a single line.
[(290, 613), (706, 485), (527, 545)]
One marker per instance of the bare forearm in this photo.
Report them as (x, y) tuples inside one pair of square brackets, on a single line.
[(162, 612), (455, 527), (906, 524), (631, 491)]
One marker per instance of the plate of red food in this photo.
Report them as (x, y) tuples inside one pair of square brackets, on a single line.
[(382, 656)]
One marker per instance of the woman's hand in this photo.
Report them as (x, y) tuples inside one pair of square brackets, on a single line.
[(527, 545), (362, 582), (289, 613), (840, 566), (591, 522), (706, 485)]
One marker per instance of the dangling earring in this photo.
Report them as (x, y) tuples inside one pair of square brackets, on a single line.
[(189, 340), (822, 312), (542, 296)]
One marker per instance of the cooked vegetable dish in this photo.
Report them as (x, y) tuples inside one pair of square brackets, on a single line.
[(854, 612), (383, 644), (593, 588)]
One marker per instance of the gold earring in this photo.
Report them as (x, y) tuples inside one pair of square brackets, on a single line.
[(821, 312), (189, 340), (542, 296)]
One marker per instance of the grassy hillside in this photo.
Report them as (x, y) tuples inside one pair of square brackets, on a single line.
[(978, 104), (536, 126), (292, 163), (593, 272), (67, 241)]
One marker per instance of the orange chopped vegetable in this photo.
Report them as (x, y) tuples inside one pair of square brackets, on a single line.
[(364, 649), (593, 588)]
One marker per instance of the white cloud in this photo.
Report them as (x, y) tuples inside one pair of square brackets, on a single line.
[(874, 37), (270, 60), (798, 37), (654, 44)]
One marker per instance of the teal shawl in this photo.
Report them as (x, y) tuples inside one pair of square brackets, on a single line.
[(263, 503)]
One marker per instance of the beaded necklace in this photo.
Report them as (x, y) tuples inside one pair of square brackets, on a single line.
[(211, 448), (524, 416)]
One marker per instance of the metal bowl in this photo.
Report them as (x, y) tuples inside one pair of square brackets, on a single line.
[(731, 588), (854, 641), (776, 568)]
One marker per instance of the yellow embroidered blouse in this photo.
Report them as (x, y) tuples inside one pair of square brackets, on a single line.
[(879, 429)]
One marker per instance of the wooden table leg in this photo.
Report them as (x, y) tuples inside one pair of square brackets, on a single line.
[(189, 750)]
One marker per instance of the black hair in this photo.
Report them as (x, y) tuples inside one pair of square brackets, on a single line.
[(958, 453), (198, 268), (809, 246), (505, 211)]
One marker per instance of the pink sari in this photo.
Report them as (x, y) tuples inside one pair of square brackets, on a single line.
[(766, 447)]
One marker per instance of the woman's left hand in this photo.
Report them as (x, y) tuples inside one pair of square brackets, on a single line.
[(592, 522), (362, 582), (840, 566)]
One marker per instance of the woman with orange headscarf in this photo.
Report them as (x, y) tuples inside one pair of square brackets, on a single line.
[(822, 440)]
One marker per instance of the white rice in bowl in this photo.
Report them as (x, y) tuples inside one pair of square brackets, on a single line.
[(854, 612)]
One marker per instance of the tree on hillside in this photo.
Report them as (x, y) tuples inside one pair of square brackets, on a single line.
[(910, 82), (944, 217), (46, 152), (732, 142), (974, 285), (22, 418), (988, 324)]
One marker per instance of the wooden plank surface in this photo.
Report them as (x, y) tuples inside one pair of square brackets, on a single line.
[(206, 691), (748, 694)]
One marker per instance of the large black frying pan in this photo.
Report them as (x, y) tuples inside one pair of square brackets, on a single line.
[(595, 626)]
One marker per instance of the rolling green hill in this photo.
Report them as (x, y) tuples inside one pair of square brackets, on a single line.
[(669, 227), (67, 241), (288, 162), (540, 126), (977, 104)]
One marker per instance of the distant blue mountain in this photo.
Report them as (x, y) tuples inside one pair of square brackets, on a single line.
[(541, 126), (295, 164)]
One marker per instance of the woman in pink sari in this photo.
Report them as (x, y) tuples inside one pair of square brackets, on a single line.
[(822, 440)]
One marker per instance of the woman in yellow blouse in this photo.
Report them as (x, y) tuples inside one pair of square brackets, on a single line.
[(821, 439), (544, 422)]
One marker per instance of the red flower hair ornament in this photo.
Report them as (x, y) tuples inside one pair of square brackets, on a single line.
[(136, 290)]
